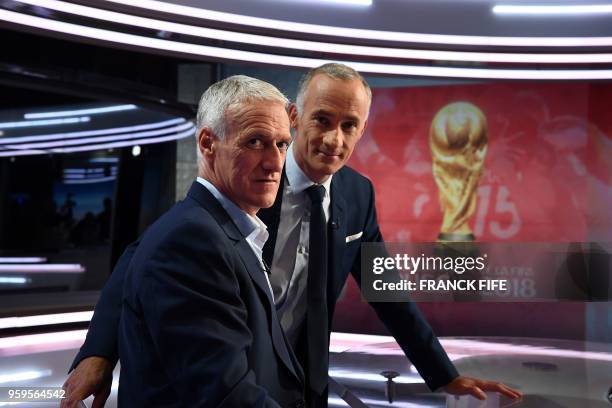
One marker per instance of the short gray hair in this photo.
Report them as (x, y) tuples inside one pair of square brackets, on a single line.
[(234, 90), (332, 70)]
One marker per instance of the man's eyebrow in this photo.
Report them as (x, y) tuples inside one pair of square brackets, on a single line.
[(354, 118), (321, 112)]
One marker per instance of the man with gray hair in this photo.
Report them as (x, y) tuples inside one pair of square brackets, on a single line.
[(198, 324)]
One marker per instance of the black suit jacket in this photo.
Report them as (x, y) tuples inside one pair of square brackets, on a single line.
[(198, 325), (352, 211)]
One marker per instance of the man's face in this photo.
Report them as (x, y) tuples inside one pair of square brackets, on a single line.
[(332, 122), (247, 164)]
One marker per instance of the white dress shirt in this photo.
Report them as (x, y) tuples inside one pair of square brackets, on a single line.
[(289, 275), (252, 228)]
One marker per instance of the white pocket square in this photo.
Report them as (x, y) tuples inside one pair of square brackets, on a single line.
[(353, 237)]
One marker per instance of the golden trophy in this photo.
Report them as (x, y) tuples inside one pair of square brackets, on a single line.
[(458, 142)]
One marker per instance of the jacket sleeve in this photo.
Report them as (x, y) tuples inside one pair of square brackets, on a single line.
[(405, 322), (101, 337), (192, 307)]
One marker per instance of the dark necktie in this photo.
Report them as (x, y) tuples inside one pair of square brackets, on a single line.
[(316, 310)]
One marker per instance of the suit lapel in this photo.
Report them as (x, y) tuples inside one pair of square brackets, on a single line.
[(271, 217), (257, 274), (337, 234), (253, 267)]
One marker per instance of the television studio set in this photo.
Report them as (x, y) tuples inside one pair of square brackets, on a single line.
[(306, 203)]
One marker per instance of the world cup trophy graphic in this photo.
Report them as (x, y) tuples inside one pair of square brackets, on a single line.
[(458, 141)]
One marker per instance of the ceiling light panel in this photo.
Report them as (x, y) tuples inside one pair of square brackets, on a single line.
[(318, 46), (187, 49)]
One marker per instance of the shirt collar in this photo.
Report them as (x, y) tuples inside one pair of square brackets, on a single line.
[(298, 181), (249, 226)]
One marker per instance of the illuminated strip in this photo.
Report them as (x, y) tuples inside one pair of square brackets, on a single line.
[(92, 111), (360, 342), (41, 343), (88, 148), (316, 46), (262, 58), (42, 268), (507, 348), (104, 160), (365, 3), (368, 376), (391, 36), (48, 122), (553, 10), (87, 133), (22, 153), (14, 280), (90, 180), (100, 139), (123, 144), (24, 376), (44, 320), (29, 259), (82, 171)]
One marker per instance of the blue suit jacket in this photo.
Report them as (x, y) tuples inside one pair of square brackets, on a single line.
[(353, 211), (198, 325)]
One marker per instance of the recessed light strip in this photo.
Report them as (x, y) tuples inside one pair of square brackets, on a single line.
[(92, 111), (390, 36), (135, 142), (48, 122), (23, 259), (42, 268), (566, 9), (14, 280), (90, 180), (87, 148), (314, 46), (44, 320), (238, 55), (99, 139), (86, 133)]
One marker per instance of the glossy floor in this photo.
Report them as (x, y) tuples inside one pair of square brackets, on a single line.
[(551, 373)]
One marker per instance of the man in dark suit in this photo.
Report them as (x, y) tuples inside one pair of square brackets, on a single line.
[(309, 269), (198, 325)]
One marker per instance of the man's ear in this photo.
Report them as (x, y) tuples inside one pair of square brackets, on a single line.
[(293, 115), (365, 126), (206, 141)]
